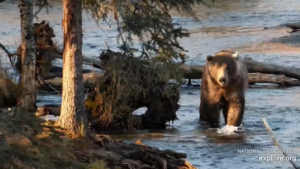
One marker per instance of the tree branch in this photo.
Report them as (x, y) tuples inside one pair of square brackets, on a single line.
[(10, 55), (42, 4)]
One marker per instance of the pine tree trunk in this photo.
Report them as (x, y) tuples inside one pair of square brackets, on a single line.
[(28, 61), (73, 115)]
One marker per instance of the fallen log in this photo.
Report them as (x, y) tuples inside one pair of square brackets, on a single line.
[(87, 61), (89, 80), (195, 72), (267, 68), (191, 72), (56, 71), (274, 79)]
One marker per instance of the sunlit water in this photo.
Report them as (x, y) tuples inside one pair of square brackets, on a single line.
[(233, 24)]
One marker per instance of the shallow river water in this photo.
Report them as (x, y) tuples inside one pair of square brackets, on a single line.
[(232, 24)]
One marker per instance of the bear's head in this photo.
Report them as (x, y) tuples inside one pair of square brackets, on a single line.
[(222, 67)]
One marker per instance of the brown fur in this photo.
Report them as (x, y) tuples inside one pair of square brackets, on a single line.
[(228, 95)]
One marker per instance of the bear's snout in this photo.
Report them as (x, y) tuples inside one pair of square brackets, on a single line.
[(222, 80)]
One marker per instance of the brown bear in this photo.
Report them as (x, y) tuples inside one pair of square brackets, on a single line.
[(224, 84)]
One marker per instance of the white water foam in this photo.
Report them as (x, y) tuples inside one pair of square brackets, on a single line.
[(228, 130), (50, 117)]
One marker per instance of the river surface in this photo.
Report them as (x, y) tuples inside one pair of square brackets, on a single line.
[(231, 24)]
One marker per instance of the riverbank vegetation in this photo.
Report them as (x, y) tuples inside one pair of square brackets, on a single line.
[(28, 142)]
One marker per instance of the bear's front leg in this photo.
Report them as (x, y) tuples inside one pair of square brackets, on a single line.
[(210, 113), (236, 112)]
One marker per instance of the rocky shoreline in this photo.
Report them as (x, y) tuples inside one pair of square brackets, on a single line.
[(33, 143)]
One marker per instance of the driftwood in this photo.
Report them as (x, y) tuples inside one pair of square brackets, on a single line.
[(267, 68), (273, 79), (269, 129)]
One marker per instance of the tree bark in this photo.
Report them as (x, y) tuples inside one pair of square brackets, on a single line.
[(73, 116), (28, 61)]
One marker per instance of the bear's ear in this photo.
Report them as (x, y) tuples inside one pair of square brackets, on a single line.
[(235, 55), (209, 58)]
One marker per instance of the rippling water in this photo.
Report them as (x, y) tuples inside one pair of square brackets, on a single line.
[(231, 24)]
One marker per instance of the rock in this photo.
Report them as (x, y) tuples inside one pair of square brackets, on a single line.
[(131, 163), (103, 154), (177, 155), (18, 140)]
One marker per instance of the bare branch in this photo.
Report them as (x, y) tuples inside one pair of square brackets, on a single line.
[(6, 51), (10, 55), (275, 142), (42, 4)]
